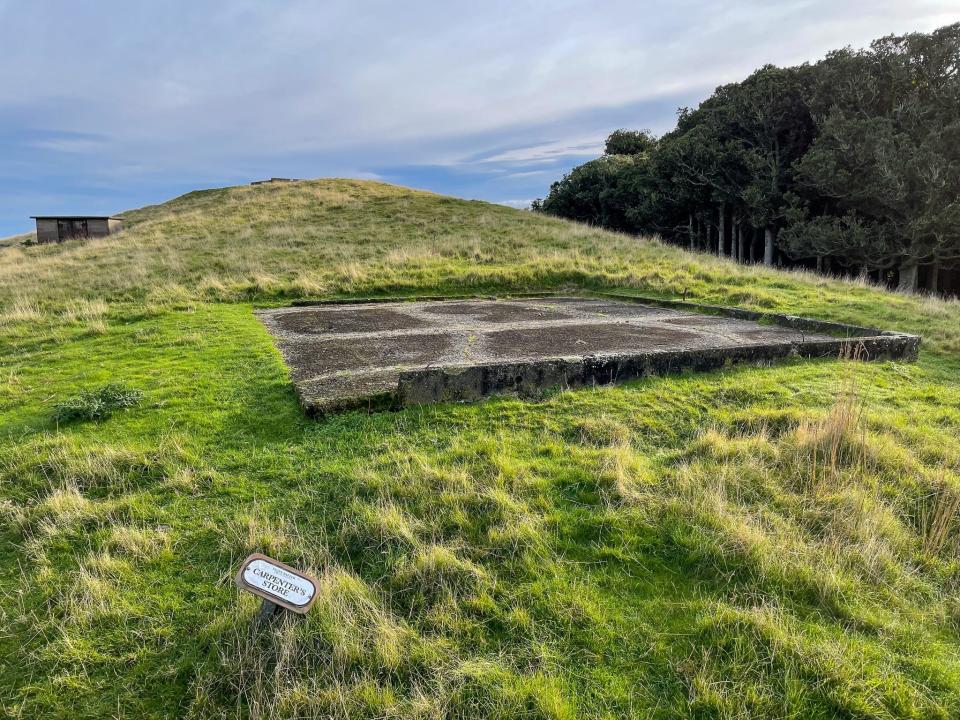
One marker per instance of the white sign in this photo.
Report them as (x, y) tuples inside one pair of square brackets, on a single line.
[(279, 583)]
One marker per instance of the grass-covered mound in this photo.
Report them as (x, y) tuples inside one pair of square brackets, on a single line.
[(758, 542)]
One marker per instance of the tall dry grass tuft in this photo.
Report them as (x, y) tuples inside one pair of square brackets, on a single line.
[(83, 310), (624, 474), (835, 443), (253, 531), (20, 311), (937, 515)]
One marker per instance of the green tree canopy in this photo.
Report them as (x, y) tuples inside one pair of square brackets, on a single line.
[(629, 142), (855, 158)]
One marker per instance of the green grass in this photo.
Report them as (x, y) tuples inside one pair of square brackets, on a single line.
[(757, 542)]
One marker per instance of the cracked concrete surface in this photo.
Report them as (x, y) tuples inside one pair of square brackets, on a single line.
[(382, 354)]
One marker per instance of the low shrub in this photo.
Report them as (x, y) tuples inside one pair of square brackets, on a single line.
[(97, 404)]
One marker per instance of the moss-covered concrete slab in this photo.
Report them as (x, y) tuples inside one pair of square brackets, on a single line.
[(382, 354)]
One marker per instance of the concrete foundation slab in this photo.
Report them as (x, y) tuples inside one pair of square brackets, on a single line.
[(386, 354)]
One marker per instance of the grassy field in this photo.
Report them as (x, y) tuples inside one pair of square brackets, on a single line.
[(757, 542)]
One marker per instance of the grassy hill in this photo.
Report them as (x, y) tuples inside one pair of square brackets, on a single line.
[(757, 542), (14, 240)]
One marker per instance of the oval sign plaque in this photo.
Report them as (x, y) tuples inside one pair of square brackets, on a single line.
[(277, 582)]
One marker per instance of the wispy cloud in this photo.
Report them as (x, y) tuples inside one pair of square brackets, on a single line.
[(518, 204), (528, 174), (69, 145), (551, 151)]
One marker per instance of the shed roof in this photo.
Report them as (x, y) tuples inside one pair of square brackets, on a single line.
[(75, 217)]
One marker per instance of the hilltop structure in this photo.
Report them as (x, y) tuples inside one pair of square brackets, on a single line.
[(274, 180), (388, 354), (57, 228)]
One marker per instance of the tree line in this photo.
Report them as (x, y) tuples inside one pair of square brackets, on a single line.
[(850, 165)]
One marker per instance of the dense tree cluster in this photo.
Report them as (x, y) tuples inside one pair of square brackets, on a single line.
[(851, 164)]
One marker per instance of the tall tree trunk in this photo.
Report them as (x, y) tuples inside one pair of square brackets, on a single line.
[(768, 246), (721, 230), (753, 241), (908, 275), (690, 229), (933, 284), (819, 263), (739, 241)]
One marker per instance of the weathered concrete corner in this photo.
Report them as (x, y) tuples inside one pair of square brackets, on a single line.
[(386, 354)]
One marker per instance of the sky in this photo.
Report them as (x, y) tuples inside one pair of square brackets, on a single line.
[(116, 104)]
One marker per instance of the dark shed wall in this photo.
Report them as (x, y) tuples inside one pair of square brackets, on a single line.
[(97, 227), (47, 231)]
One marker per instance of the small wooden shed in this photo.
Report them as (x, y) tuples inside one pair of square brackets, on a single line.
[(57, 228)]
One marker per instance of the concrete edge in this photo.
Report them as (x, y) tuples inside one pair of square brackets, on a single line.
[(405, 298), (460, 383), (371, 403)]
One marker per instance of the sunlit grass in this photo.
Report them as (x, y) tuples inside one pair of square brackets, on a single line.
[(754, 542)]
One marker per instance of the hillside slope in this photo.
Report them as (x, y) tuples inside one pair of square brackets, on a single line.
[(16, 240), (757, 542)]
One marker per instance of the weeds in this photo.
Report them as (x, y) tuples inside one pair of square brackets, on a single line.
[(97, 404)]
